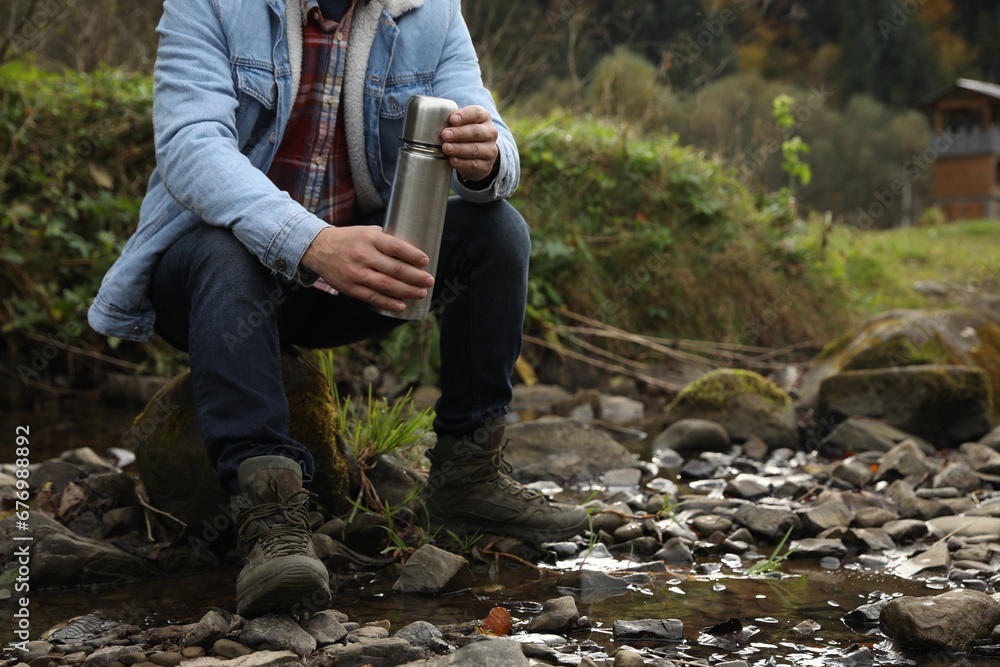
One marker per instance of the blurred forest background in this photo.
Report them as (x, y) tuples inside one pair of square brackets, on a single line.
[(709, 161)]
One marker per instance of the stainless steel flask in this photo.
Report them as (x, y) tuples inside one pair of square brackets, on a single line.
[(419, 196)]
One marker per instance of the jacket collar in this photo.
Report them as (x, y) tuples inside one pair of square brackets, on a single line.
[(397, 7)]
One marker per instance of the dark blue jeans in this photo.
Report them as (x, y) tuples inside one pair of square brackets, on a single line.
[(216, 301)]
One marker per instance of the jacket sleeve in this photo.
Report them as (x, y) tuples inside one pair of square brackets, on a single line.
[(458, 78), (197, 148)]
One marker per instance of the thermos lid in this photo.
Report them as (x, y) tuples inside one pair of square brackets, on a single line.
[(425, 118)]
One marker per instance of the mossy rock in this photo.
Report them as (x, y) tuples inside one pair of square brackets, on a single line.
[(946, 405), (175, 469), (904, 338), (742, 402)]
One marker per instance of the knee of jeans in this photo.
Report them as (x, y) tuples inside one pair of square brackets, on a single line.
[(216, 253), (504, 231)]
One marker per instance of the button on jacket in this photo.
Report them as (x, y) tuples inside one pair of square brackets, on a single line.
[(224, 82)]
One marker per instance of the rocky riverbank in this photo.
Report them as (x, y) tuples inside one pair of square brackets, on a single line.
[(741, 481)]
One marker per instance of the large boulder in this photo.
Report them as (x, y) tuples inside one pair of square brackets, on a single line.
[(743, 403), (946, 405), (175, 469), (901, 338), (946, 622)]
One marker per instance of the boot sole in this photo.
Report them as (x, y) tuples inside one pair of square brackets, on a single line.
[(294, 590)]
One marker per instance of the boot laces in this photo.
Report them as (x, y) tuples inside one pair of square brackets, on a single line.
[(495, 471), (285, 523)]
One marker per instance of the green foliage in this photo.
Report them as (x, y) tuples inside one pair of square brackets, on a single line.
[(774, 561), (76, 151), (374, 427)]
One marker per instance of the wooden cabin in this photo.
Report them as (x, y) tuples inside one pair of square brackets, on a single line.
[(966, 145)]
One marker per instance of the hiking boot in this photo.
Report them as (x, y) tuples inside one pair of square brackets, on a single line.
[(469, 488), (281, 573)]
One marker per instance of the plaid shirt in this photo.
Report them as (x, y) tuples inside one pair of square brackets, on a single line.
[(312, 163)]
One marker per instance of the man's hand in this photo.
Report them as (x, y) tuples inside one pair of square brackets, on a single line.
[(366, 263), (471, 142)]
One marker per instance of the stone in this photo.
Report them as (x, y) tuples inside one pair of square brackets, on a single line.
[(744, 403), (626, 657), (947, 622), (980, 458), (992, 439), (277, 632), (325, 628), (431, 570), (675, 552), (946, 405), (258, 659), (537, 399), (166, 658), (910, 506), (873, 517), (189, 652), (870, 539), (862, 434), (557, 615), (826, 515), (564, 451), (227, 648), (489, 653), (904, 461), (692, 436), (650, 629), (855, 473), (867, 615), (121, 521), (748, 487), (393, 479), (419, 633), (905, 530), (769, 523), (591, 585), (35, 649), (706, 524), (817, 548), (964, 526), (371, 632), (958, 476), (175, 470), (621, 409), (58, 473), (212, 627), (103, 657), (936, 557)]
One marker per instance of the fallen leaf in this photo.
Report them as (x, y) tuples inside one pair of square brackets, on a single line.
[(497, 623)]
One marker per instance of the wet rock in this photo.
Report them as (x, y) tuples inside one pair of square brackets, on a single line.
[(258, 659), (419, 633), (121, 521), (212, 627), (964, 526), (626, 657), (650, 629), (959, 476), (103, 657), (227, 648), (190, 652), (393, 479), (855, 473), (490, 653), (325, 628), (743, 403), (277, 632), (58, 473), (863, 434), (873, 517), (868, 539), (689, 436), (947, 405), (826, 515), (431, 570), (537, 399), (675, 551), (866, 615), (630, 531), (906, 461), (936, 557), (564, 451), (371, 632), (174, 467), (980, 458), (910, 506), (670, 462), (34, 649), (947, 622), (905, 530), (620, 409), (766, 522), (706, 524), (817, 548), (992, 439), (166, 658), (748, 487), (590, 585), (557, 615)]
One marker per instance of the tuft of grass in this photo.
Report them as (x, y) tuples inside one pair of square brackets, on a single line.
[(774, 561)]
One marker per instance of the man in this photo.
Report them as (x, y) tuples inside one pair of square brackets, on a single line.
[(277, 125)]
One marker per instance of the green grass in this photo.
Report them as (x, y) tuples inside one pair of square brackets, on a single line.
[(881, 267)]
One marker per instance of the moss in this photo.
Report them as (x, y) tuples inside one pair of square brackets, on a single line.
[(987, 356), (899, 350), (715, 388), (834, 347)]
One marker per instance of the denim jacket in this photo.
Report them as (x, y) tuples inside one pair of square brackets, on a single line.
[(223, 87)]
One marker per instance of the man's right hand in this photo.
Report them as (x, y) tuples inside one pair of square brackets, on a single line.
[(366, 263)]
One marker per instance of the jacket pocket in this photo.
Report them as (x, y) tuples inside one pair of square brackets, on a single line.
[(391, 112), (255, 81)]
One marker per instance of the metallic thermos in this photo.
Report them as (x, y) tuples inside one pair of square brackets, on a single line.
[(419, 194)]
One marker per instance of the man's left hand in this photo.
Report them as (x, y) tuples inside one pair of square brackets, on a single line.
[(471, 143)]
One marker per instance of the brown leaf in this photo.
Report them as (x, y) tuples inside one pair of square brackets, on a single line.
[(497, 622)]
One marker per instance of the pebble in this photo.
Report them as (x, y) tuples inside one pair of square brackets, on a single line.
[(626, 657), (166, 659), (189, 652), (227, 648)]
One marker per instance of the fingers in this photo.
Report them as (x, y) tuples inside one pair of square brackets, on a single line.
[(471, 142)]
